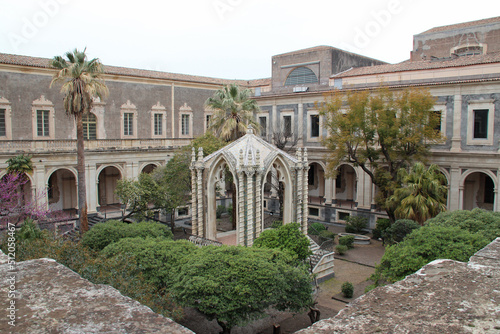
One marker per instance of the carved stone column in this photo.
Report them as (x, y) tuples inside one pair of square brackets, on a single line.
[(194, 205), (199, 169), (241, 208), (258, 198), (305, 192), (250, 201), (299, 187)]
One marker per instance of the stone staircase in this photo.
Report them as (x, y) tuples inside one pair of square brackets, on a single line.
[(200, 241), (321, 261), (74, 234)]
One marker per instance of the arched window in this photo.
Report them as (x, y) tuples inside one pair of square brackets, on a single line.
[(89, 126), (301, 75)]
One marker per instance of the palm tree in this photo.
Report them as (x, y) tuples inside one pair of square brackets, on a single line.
[(82, 81), (20, 164), (423, 194), (233, 112)]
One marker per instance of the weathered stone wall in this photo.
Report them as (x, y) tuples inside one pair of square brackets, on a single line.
[(444, 296), (50, 298)]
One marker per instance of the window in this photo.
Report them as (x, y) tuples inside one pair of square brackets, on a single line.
[(287, 125), (129, 120), (89, 126), (185, 124), (263, 126), (480, 124), (311, 175), (3, 128), (338, 181), (208, 118), (314, 125), (128, 124), (42, 123), (5, 124), (158, 124), (489, 189), (42, 112), (437, 114), (301, 75)]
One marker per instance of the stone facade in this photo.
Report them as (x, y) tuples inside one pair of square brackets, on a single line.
[(50, 298), (162, 111)]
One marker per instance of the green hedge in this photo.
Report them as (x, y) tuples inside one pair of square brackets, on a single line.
[(111, 231)]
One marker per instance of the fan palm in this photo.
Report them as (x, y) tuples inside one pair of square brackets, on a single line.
[(20, 164), (423, 195), (233, 110), (82, 81)]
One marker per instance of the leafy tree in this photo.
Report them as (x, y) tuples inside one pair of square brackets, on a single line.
[(82, 81), (237, 284), (399, 230), (158, 258), (111, 231), (233, 110), (287, 238), (21, 164), (423, 194), (380, 132), (167, 187), (13, 208), (427, 244), (355, 224)]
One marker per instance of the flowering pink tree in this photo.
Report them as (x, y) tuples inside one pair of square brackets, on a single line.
[(13, 207)]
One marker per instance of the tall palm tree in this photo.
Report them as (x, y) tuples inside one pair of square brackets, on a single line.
[(423, 194), (21, 164), (233, 110), (82, 81)]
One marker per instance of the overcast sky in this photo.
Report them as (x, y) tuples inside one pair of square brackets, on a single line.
[(232, 39)]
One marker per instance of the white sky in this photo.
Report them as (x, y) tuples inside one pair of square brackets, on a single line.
[(233, 39)]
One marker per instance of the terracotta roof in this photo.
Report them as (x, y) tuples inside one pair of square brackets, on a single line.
[(421, 65), (463, 25), (115, 70)]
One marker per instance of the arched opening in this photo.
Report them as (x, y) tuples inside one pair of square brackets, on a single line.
[(108, 178), (149, 168), (276, 195), (62, 191), (89, 126), (316, 183), (346, 186), (301, 75), (478, 192)]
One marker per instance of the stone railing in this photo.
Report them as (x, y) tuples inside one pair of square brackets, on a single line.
[(36, 146)]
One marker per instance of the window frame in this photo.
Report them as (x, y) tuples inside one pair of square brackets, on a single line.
[(283, 114), (84, 123), (310, 137), (158, 109), (186, 110), (38, 105), (266, 116), (5, 105), (128, 108), (206, 114), (474, 106)]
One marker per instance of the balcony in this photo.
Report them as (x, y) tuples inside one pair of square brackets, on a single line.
[(63, 145)]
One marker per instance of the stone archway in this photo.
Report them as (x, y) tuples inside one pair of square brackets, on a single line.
[(107, 181), (346, 186), (478, 191), (62, 190), (149, 168)]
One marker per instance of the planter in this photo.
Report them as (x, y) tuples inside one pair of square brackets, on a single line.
[(358, 238)]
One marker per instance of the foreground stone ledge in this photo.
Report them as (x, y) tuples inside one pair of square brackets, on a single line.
[(53, 299), (444, 296)]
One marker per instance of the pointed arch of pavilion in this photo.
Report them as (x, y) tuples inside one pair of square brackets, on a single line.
[(248, 159)]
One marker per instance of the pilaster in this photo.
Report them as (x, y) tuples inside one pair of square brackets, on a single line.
[(250, 200), (305, 190)]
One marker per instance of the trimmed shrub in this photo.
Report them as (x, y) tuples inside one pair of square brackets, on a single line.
[(382, 225), (341, 249), (277, 224), (158, 258), (287, 238), (476, 220), (327, 234), (355, 224), (347, 240), (347, 290), (316, 228), (111, 231), (426, 244), (399, 230)]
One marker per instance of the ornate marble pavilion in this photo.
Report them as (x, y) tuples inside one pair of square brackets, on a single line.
[(249, 159)]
